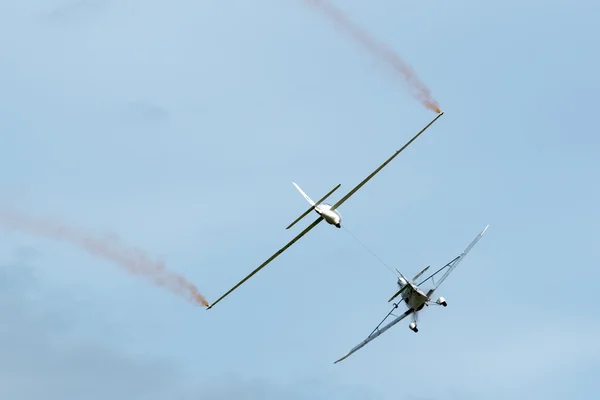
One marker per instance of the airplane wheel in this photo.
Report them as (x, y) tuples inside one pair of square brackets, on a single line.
[(444, 304)]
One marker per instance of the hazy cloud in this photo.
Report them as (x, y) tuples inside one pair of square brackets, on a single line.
[(143, 112), (42, 359), (76, 10), (39, 359)]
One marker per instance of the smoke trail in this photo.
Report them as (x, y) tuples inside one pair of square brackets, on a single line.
[(420, 91), (131, 259)]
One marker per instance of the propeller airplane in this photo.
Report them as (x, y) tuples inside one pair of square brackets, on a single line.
[(414, 297)]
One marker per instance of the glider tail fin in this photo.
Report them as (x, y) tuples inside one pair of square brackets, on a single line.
[(313, 205)]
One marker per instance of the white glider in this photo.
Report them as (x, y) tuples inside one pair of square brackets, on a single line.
[(326, 212)]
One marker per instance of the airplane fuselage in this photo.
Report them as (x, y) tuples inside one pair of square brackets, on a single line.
[(332, 217), (414, 297)]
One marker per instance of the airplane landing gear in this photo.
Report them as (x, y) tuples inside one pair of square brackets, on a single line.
[(413, 327)]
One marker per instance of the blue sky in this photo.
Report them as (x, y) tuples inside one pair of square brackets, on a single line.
[(179, 126)]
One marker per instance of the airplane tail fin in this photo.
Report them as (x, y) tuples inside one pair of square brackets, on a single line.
[(313, 205), (399, 292), (420, 273), (401, 275), (403, 288)]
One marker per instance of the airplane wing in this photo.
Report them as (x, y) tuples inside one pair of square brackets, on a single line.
[(452, 264), (304, 232), (376, 332), (351, 192)]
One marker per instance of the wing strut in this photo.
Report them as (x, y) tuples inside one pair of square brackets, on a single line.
[(376, 332), (452, 264)]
